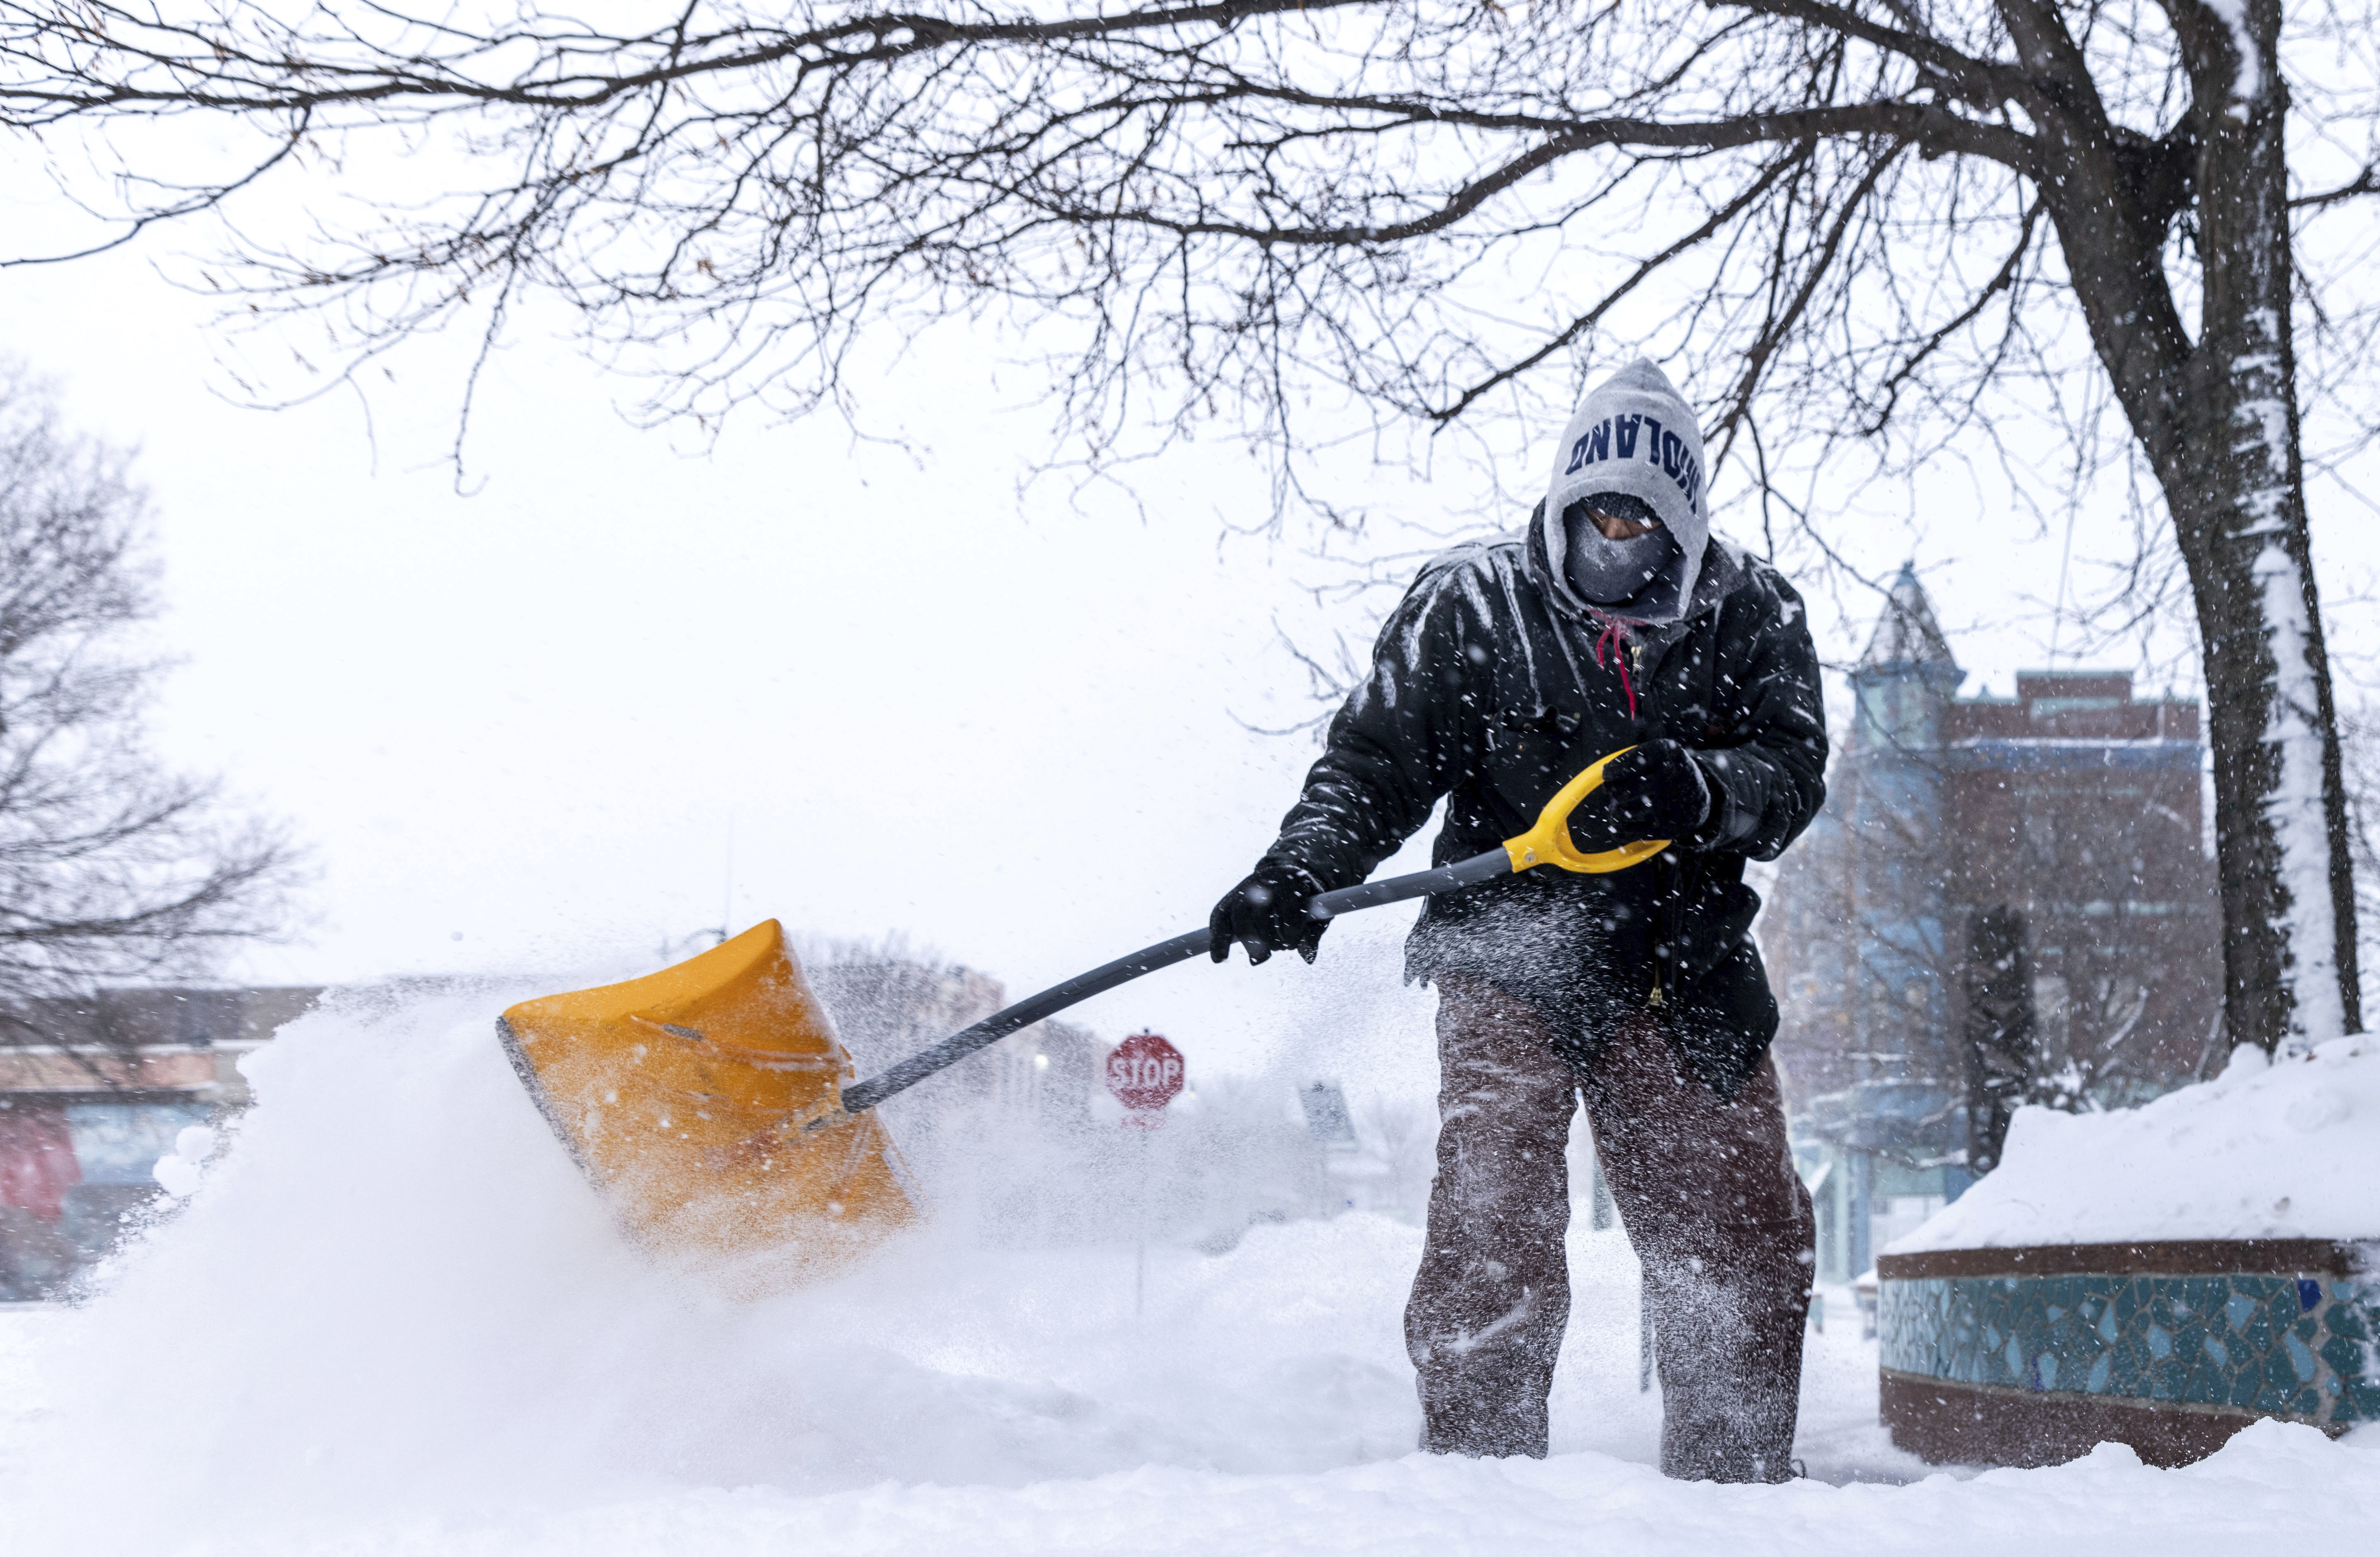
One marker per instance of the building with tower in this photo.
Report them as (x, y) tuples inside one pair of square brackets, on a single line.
[(2006, 900)]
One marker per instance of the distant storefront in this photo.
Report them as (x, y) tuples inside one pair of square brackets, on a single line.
[(92, 1094)]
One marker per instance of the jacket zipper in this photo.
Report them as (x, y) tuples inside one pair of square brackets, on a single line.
[(1653, 1001)]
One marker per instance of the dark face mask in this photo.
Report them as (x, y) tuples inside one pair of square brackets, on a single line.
[(1612, 572)]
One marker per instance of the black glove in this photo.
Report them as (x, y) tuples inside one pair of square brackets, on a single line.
[(1267, 913), (1656, 790)]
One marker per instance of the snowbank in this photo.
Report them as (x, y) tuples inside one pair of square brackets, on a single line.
[(2264, 1151), (391, 1295), (392, 1319), (2269, 1481)]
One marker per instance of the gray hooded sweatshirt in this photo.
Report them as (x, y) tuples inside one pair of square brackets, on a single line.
[(1632, 434)]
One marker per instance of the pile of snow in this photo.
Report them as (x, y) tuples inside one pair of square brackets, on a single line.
[(2267, 1150), (390, 1318), (183, 1169), (390, 1292)]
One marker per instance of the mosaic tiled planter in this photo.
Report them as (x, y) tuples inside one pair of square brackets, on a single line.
[(2031, 1357)]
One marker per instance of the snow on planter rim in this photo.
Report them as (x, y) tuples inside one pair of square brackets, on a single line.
[(2267, 1150)]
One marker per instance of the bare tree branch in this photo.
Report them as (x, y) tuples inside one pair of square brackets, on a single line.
[(1375, 224)]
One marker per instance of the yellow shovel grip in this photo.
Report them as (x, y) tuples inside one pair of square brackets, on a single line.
[(1548, 841)]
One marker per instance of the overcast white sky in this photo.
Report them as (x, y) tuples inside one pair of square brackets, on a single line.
[(621, 691)]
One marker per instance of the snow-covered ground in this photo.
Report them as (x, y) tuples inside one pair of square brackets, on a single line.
[(394, 1321), (2286, 1148)]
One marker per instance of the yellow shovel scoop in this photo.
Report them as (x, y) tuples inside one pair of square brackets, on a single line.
[(707, 1102), (683, 1096)]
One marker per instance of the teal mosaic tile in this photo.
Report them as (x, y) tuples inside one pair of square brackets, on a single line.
[(2284, 1345)]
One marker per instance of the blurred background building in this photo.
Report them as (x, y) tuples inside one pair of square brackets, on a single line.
[(92, 1093), (2006, 901)]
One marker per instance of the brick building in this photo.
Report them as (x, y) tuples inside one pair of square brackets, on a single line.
[(2072, 811)]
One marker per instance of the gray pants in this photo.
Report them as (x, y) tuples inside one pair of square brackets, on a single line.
[(1711, 1202)]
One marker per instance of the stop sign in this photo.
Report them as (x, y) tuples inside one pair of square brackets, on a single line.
[(1145, 1072)]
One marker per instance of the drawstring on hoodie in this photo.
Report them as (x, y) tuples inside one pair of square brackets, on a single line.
[(1616, 639)]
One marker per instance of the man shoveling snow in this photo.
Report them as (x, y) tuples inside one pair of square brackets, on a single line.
[(1611, 620)]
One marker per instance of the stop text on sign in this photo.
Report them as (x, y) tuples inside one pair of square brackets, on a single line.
[(1145, 1072)]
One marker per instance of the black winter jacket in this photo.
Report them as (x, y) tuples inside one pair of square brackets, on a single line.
[(1485, 691)]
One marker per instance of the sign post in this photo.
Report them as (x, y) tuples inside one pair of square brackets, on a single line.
[(1145, 1072)]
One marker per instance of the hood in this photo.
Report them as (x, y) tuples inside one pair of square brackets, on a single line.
[(1632, 433)]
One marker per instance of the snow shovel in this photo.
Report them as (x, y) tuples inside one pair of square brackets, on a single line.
[(707, 1102), (683, 1096)]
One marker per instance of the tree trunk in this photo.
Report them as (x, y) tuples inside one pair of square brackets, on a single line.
[(1997, 1031), (2218, 418), (2232, 477)]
